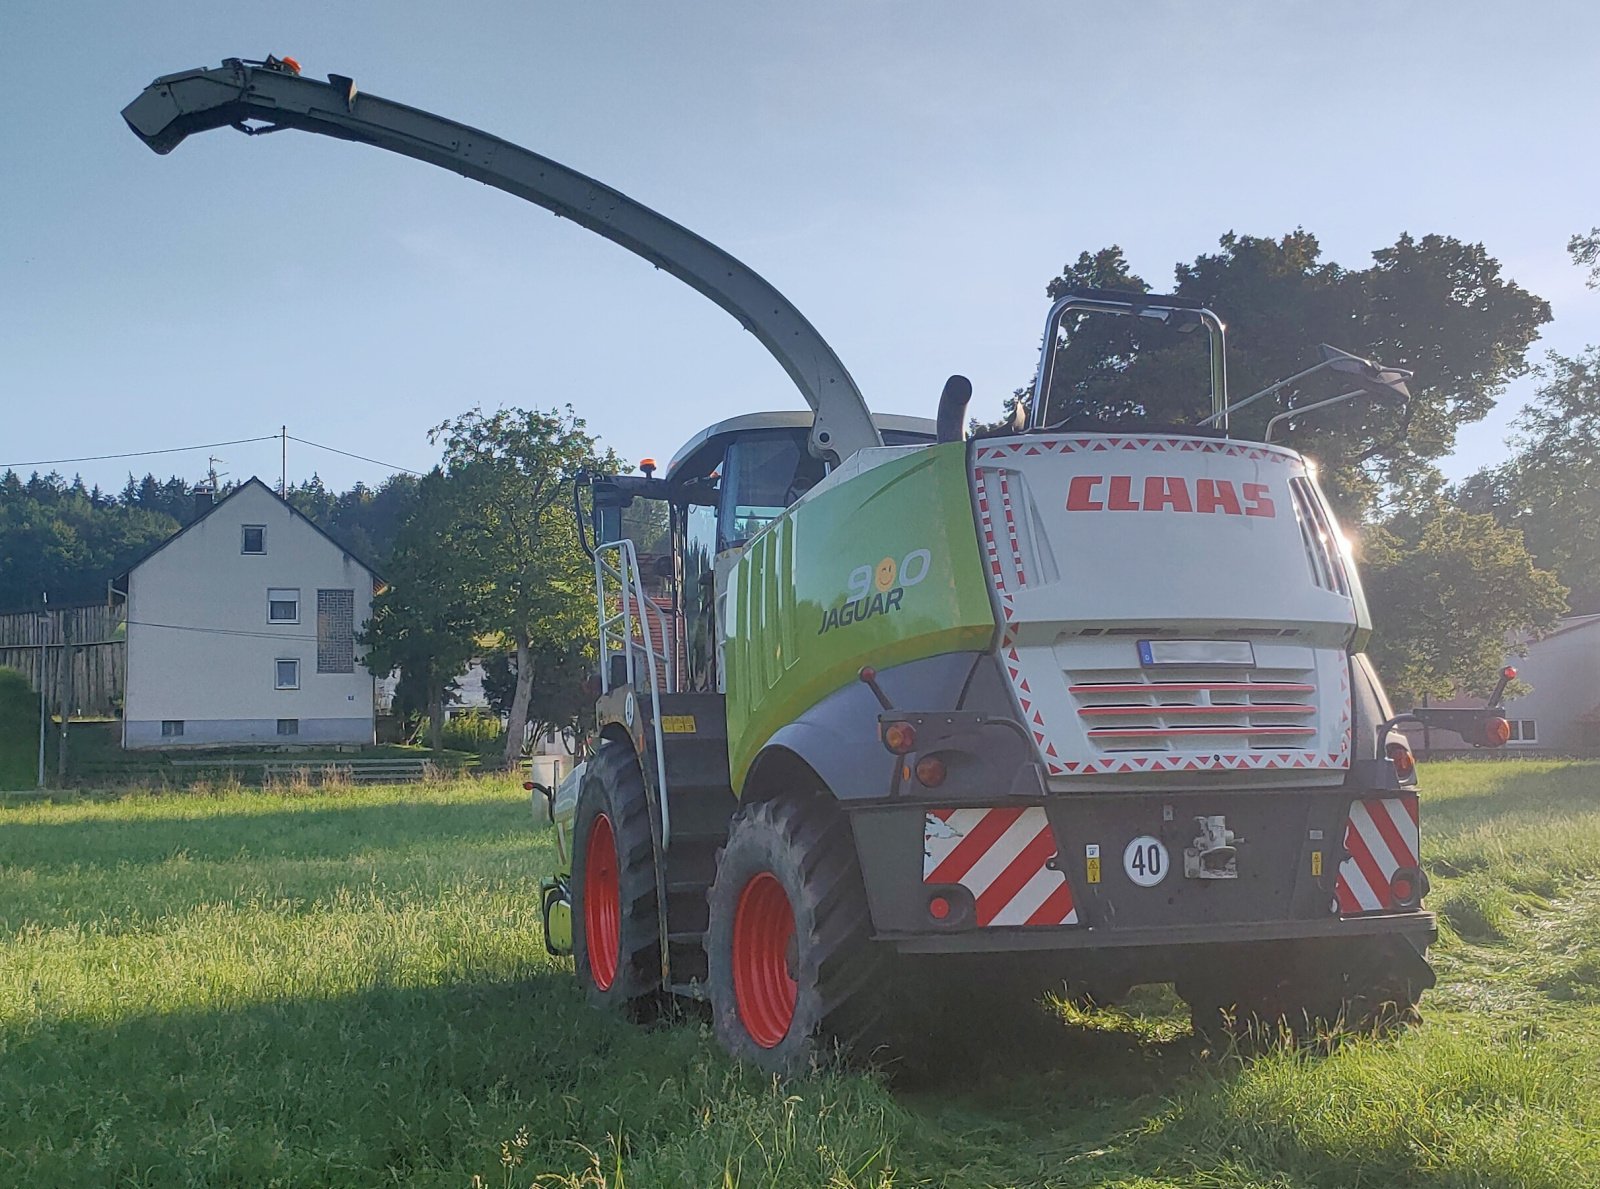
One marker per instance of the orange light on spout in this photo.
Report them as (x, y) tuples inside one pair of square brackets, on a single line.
[(293, 64)]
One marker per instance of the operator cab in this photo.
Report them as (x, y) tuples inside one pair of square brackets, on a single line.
[(724, 486), (758, 464)]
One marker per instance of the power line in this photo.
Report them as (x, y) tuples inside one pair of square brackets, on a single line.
[(50, 462), (359, 457), (179, 627)]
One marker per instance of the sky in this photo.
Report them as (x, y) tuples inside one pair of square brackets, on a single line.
[(910, 175)]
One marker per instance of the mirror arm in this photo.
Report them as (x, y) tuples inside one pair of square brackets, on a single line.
[(1321, 404)]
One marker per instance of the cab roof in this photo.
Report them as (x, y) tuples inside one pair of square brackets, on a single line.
[(695, 457)]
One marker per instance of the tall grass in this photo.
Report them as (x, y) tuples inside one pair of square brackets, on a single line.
[(348, 987), (19, 732)]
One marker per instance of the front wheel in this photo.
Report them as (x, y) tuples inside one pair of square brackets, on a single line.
[(789, 941), (616, 933)]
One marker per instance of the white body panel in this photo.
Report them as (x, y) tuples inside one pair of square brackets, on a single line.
[(202, 649), (1099, 543)]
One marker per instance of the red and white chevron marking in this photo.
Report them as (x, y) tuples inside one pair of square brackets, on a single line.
[(1382, 837), (1033, 447), (1000, 856)]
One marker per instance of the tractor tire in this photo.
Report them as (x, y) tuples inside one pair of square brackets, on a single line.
[(616, 940), (1313, 994), (792, 966)]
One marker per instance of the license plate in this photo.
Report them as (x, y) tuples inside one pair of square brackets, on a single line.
[(1196, 652)]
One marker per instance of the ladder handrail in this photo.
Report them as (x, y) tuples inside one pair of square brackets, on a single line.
[(630, 593)]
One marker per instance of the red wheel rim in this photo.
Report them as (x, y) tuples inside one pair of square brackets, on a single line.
[(764, 986), (602, 904)]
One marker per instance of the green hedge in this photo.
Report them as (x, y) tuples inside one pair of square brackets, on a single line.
[(473, 730), (19, 732)]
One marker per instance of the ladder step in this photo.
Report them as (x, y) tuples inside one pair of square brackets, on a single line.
[(694, 990), (694, 937), (687, 885)]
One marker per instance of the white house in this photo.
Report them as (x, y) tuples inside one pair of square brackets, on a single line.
[(1561, 711), (241, 630)]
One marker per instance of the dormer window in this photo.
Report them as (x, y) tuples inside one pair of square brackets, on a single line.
[(253, 538)]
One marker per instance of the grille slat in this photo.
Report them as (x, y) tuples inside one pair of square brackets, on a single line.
[(1214, 708), (1190, 732)]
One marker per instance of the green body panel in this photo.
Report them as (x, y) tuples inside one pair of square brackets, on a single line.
[(879, 569)]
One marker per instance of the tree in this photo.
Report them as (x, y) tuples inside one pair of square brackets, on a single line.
[(424, 623), (1435, 305), (556, 698), (1585, 251), (513, 534), (1447, 590), (1549, 489)]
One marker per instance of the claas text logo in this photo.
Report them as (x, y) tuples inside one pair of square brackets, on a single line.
[(1168, 493)]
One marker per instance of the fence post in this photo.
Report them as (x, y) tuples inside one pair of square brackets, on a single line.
[(64, 692)]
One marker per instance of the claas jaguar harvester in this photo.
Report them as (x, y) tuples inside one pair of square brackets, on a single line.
[(1082, 704)]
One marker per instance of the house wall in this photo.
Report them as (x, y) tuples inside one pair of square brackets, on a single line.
[(202, 650), (1563, 671)]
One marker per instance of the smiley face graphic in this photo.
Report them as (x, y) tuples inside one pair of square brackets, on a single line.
[(883, 574)]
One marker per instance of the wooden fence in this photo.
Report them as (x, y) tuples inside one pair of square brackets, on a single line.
[(80, 653)]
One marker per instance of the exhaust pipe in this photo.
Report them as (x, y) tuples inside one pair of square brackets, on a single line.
[(952, 423)]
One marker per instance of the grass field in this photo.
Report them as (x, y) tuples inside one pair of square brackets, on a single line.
[(349, 989)]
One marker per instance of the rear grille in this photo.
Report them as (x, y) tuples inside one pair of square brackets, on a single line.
[(1194, 709), (1316, 532)]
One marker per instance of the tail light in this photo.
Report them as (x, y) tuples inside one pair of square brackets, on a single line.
[(1405, 764), (899, 737), (930, 771), (527, 786), (1406, 887), (939, 908), (1496, 732)]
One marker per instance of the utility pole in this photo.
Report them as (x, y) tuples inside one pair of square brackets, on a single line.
[(43, 626), (64, 692), (283, 462)]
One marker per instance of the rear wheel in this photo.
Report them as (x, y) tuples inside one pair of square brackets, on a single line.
[(616, 938), (791, 961)]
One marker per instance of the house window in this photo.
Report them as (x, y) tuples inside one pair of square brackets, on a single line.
[(254, 538), (288, 726), (1524, 731), (336, 631), (283, 606), (172, 728), (288, 673)]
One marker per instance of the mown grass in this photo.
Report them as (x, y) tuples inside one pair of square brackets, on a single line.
[(349, 988)]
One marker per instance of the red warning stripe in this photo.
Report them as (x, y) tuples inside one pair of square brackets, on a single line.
[(1020, 870), (974, 846)]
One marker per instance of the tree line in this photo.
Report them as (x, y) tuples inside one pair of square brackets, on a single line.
[(65, 539), (482, 559)]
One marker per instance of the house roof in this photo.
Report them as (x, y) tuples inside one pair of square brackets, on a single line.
[(1571, 624), (120, 582)]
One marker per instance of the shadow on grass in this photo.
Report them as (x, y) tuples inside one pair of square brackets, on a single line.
[(324, 830), (423, 1085), (1511, 787)]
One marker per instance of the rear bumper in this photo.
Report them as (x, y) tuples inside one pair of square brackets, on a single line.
[(1419, 928), (1057, 873)]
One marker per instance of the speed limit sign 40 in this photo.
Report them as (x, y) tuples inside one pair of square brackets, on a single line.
[(1145, 861)]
